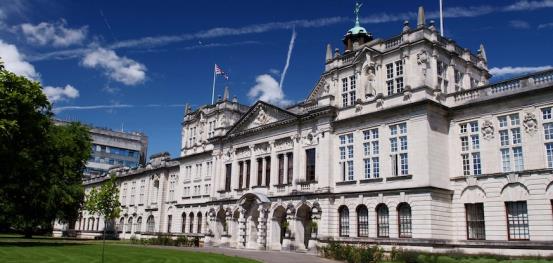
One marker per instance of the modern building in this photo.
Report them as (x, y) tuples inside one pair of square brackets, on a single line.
[(402, 142), (114, 148)]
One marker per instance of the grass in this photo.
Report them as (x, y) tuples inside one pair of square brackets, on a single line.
[(14, 249)]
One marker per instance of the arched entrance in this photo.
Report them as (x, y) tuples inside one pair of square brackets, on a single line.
[(303, 230), (221, 226), (278, 231), (252, 221)]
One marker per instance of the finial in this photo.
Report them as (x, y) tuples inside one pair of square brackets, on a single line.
[(186, 109), (421, 19), (356, 12), (225, 95), (482, 53), (328, 52), (336, 52), (406, 26)]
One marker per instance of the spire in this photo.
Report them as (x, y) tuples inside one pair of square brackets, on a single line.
[(225, 95), (421, 19), (186, 109), (482, 53), (328, 52), (357, 8)]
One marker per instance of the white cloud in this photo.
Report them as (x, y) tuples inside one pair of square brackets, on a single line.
[(121, 69), (519, 24), (545, 26), (506, 71), (15, 61), (55, 34), (56, 94), (268, 90), (114, 106), (529, 5), (288, 56)]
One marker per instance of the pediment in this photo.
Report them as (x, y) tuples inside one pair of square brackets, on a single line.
[(261, 114)]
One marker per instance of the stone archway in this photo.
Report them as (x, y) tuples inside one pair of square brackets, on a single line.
[(303, 229), (277, 221), (252, 222)]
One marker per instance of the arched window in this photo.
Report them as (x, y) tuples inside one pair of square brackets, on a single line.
[(199, 230), (169, 223), (92, 223), (121, 224), (362, 221), (183, 225), (191, 230), (129, 225), (97, 224), (404, 220), (150, 224), (138, 226), (344, 221), (383, 220)]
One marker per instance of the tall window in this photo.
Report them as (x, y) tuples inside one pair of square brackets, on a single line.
[(310, 164), (362, 221), (371, 151), (441, 70), (211, 129), (382, 221), (517, 220), (259, 171), (172, 186), (191, 229), (248, 173), (548, 133), (404, 220), (476, 228), (133, 190), (142, 191), (209, 168), (183, 223), (470, 148), (267, 171), (394, 77), (290, 168), (169, 222), (348, 90), (228, 176), (511, 143), (199, 224), (346, 156), (344, 221), (124, 194), (281, 169), (138, 227), (458, 79), (398, 149), (150, 224)]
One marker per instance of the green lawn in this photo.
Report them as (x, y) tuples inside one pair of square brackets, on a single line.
[(48, 251)]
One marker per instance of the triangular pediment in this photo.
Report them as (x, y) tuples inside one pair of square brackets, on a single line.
[(261, 114)]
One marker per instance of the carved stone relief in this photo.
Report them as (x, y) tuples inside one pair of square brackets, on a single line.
[(487, 130), (530, 123)]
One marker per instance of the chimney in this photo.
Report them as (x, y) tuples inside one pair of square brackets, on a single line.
[(421, 19), (328, 53)]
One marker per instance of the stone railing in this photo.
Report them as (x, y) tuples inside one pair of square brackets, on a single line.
[(540, 78), (346, 59), (393, 42)]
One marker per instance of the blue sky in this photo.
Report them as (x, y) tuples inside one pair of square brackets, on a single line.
[(134, 65)]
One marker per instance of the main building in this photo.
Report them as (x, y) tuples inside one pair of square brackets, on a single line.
[(401, 142)]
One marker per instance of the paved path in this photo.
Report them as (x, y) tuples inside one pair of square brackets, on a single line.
[(264, 256)]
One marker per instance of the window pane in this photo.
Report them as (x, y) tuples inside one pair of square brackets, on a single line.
[(362, 221), (475, 221), (517, 220)]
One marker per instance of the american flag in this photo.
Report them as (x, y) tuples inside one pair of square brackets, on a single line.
[(219, 71)]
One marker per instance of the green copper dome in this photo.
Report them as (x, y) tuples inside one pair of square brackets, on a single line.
[(357, 29)]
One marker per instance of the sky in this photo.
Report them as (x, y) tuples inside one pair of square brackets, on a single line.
[(133, 66)]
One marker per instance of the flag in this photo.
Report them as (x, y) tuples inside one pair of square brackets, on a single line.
[(219, 71)]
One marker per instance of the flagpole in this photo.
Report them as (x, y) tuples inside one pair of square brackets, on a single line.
[(441, 18), (213, 89)]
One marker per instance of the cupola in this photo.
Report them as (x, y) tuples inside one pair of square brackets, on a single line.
[(357, 35)]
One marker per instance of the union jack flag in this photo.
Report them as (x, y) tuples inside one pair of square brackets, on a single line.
[(219, 71)]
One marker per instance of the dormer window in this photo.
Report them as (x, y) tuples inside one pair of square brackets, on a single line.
[(394, 80)]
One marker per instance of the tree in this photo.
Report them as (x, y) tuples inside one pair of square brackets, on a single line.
[(105, 202), (42, 164)]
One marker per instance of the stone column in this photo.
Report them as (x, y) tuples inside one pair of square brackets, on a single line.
[(253, 168), (285, 179), (242, 229), (263, 171), (296, 150), (274, 164), (235, 174), (262, 228), (244, 173)]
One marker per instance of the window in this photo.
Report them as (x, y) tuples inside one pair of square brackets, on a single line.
[(169, 222), (362, 221), (346, 156), (394, 80), (207, 189), (268, 171), (371, 153), (142, 191), (191, 216), (124, 194), (281, 169), (248, 173), (441, 72), (404, 220), (209, 168), (199, 223), (510, 143), (172, 186), (240, 174), (344, 221), (310, 164), (133, 190), (183, 223), (348, 90), (382, 221), (548, 133), (476, 229), (290, 168), (398, 149), (458, 78), (259, 171), (470, 148), (150, 224), (138, 227), (228, 174), (517, 220), (211, 129)]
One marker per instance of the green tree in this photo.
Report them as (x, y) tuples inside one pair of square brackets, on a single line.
[(105, 202), (42, 164)]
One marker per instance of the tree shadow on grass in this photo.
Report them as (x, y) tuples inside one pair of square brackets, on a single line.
[(39, 244)]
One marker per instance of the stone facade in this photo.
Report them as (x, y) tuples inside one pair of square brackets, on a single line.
[(402, 142)]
